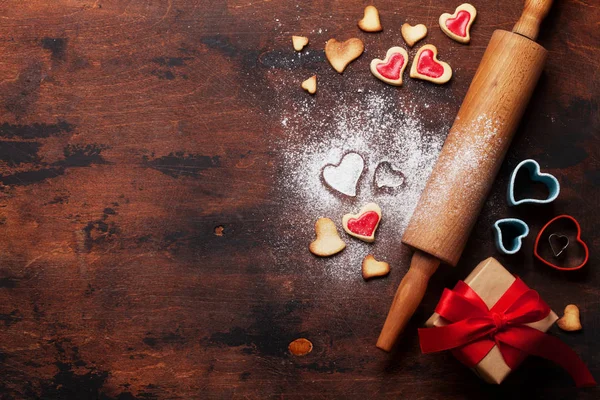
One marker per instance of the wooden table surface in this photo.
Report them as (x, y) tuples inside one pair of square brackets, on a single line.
[(159, 179)]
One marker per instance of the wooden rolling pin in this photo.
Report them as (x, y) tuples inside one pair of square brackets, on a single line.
[(469, 161)]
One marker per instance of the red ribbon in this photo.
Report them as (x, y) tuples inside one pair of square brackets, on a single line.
[(475, 329)]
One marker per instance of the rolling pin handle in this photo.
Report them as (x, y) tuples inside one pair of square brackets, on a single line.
[(407, 298), (531, 18)]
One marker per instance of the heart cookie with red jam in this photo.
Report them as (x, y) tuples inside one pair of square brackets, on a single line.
[(458, 25), (426, 66), (391, 68), (363, 224)]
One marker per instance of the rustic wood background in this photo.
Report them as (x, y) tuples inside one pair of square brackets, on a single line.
[(131, 129)]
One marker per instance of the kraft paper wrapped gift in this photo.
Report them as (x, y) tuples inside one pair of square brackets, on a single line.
[(490, 280)]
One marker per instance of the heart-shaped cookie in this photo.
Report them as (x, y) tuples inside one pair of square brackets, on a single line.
[(344, 176), (340, 54), (363, 224), (536, 176), (577, 256), (412, 34), (370, 21), (509, 234), (372, 268), (299, 42), (458, 25), (310, 85), (391, 68), (387, 177), (426, 66), (328, 241)]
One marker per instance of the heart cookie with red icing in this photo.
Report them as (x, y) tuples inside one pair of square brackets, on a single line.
[(363, 224), (391, 68), (426, 66), (458, 25)]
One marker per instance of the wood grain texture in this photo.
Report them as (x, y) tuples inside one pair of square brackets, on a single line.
[(130, 130)]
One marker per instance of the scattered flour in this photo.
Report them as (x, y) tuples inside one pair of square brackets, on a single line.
[(377, 129)]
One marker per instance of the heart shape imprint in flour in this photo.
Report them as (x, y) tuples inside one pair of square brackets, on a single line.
[(344, 176), (363, 224), (388, 178), (391, 68), (426, 66), (458, 25)]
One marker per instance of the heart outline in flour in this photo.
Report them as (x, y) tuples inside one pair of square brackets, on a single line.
[(366, 214), (383, 169), (517, 241), (535, 175), (347, 183), (577, 239), (426, 66), (446, 19), (392, 57)]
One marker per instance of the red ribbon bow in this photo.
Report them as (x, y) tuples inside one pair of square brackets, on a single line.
[(475, 329)]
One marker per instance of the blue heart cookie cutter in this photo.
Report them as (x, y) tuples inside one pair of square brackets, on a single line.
[(517, 241), (535, 175)]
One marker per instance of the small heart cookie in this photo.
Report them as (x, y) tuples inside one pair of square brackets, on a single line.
[(426, 66), (299, 42), (412, 34), (310, 85), (363, 224), (340, 54), (372, 268), (328, 241), (370, 21), (458, 25), (391, 68)]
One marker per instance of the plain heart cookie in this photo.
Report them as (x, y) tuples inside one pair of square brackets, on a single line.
[(426, 66), (458, 25), (391, 68), (310, 85), (370, 21), (363, 224), (412, 34), (372, 268), (328, 241), (340, 54), (299, 42)]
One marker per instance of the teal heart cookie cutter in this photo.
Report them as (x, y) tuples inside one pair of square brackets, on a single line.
[(516, 241), (537, 176)]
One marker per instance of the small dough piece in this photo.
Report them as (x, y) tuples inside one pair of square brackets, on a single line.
[(391, 68), (370, 21), (426, 66), (412, 34), (458, 25), (570, 321), (372, 268), (340, 54), (310, 85), (299, 42), (363, 224), (328, 241)]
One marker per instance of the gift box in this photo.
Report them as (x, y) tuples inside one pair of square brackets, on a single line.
[(492, 321)]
